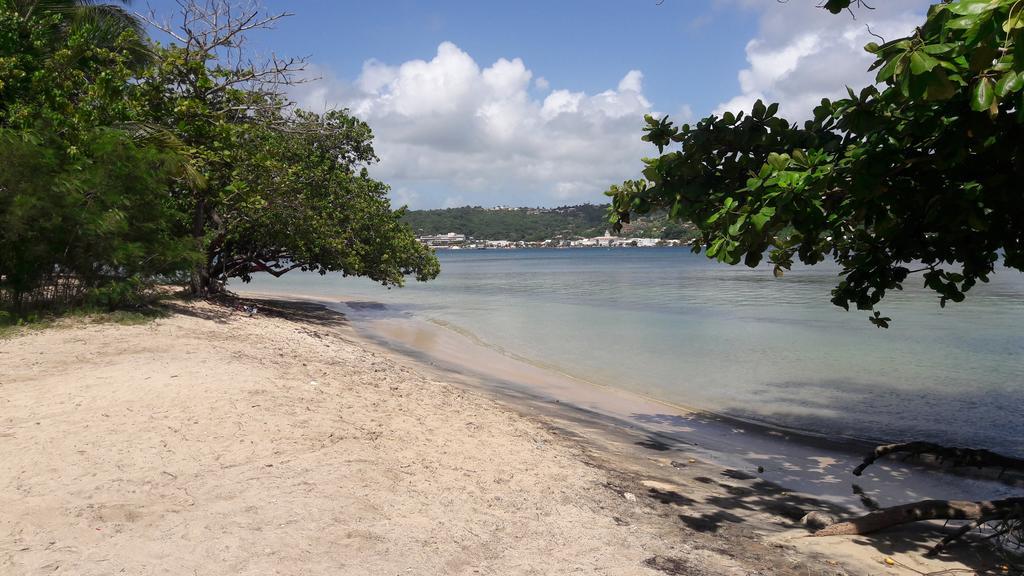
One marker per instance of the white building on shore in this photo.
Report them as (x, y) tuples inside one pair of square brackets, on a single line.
[(443, 240)]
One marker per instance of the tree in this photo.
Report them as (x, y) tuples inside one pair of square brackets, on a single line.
[(921, 173), (84, 212), (304, 200), (126, 163), (285, 189), (92, 225)]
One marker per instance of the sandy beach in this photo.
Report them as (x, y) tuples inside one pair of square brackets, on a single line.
[(211, 442)]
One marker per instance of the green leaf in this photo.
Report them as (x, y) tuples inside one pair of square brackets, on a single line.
[(1015, 19), (759, 110), (962, 23), (1010, 82), (778, 161), (889, 69), (879, 320), (921, 62), (762, 217), (982, 95), (938, 48), (904, 84), (737, 226), (715, 247), (837, 6), (972, 7)]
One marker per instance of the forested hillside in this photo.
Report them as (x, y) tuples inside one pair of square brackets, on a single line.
[(535, 224)]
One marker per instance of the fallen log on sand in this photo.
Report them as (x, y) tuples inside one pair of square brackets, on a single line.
[(1007, 513)]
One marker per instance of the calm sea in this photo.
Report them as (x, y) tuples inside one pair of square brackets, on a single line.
[(678, 327)]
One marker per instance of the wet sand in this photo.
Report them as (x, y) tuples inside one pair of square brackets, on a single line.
[(289, 443)]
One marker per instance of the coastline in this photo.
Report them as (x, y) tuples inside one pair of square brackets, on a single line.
[(290, 439), (810, 463), (792, 471)]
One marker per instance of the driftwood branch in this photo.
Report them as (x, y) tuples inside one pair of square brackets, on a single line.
[(981, 512), (1009, 511), (957, 457)]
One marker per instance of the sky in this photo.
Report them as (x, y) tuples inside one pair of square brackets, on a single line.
[(541, 103)]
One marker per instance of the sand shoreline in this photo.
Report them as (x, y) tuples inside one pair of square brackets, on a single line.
[(814, 465), (211, 442)]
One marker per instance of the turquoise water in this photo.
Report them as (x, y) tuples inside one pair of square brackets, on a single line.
[(673, 325)]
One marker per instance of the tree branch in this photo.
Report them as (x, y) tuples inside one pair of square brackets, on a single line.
[(276, 273), (980, 512), (959, 457)]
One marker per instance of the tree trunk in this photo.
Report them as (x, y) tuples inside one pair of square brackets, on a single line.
[(200, 282)]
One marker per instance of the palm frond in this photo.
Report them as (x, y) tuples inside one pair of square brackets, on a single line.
[(144, 133), (102, 24)]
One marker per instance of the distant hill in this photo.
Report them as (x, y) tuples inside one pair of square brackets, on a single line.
[(535, 224)]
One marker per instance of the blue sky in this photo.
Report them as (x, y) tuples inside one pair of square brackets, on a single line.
[(585, 45), (541, 103)]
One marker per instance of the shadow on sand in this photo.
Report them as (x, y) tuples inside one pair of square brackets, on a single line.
[(758, 494), (734, 498), (297, 311)]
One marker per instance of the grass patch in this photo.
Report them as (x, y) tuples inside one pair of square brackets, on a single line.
[(11, 325), (130, 317)]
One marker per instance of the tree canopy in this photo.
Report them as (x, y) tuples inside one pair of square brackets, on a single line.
[(283, 189), (127, 162), (83, 206), (919, 173)]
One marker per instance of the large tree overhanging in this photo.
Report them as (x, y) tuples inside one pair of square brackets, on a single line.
[(923, 172), (284, 189), (232, 178), (305, 201)]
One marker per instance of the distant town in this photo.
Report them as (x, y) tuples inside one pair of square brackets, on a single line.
[(456, 241)]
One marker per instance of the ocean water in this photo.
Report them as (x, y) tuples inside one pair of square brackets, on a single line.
[(737, 341)]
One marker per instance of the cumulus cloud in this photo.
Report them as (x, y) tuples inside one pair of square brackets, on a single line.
[(449, 130), (802, 53)]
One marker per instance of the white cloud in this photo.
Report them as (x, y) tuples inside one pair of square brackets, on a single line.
[(632, 82), (803, 54), (448, 130)]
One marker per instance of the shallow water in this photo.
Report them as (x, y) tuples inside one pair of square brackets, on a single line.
[(675, 326)]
